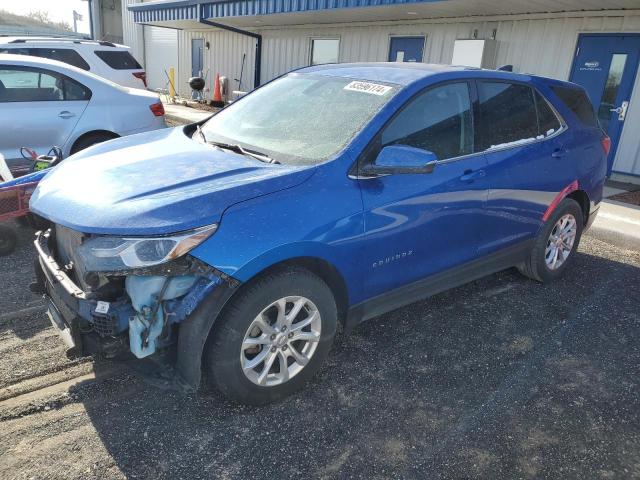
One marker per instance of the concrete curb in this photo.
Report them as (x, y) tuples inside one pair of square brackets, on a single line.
[(618, 224)]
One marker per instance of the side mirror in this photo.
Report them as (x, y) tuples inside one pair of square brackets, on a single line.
[(402, 159)]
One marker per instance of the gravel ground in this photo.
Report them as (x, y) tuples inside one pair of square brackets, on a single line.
[(502, 378)]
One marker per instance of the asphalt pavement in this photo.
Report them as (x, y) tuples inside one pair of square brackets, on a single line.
[(503, 378)]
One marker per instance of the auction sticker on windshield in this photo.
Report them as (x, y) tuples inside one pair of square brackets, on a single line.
[(366, 87)]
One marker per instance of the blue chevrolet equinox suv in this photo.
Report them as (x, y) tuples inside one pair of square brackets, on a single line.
[(331, 195)]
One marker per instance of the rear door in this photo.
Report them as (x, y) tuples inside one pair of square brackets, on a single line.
[(38, 109), (528, 163)]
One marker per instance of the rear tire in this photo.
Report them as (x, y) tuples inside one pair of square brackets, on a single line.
[(260, 352), (555, 244), (8, 241), (90, 140)]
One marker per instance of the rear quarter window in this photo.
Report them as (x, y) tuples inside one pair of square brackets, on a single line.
[(118, 59), (578, 102)]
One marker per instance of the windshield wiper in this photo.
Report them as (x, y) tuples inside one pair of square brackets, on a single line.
[(241, 150)]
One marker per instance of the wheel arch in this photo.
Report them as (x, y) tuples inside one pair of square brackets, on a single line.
[(322, 268), (91, 133), (196, 331), (582, 198)]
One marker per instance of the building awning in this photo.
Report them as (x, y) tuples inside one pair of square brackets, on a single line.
[(258, 13)]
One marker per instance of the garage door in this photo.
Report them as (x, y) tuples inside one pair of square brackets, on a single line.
[(161, 53)]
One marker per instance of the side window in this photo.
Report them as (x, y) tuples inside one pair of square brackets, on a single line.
[(548, 122), (74, 90), (65, 55), (17, 51), (577, 101), (439, 120), (28, 85), (507, 114), (18, 84)]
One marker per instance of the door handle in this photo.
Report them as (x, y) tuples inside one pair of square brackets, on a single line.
[(621, 110), (559, 153), (470, 175), (66, 114)]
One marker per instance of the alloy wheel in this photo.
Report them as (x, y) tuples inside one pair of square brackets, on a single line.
[(560, 242), (280, 341)]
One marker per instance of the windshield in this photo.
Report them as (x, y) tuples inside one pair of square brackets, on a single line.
[(299, 119)]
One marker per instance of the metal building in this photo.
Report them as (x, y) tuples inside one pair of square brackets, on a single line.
[(592, 42)]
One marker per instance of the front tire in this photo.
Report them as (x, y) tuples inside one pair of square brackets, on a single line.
[(555, 246), (272, 337)]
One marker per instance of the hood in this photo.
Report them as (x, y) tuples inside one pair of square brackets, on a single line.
[(154, 183)]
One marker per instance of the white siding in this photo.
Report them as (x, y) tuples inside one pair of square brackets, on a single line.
[(542, 44), (224, 57), (132, 32)]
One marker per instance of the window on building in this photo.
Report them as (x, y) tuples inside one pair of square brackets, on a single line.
[(439, 120), (324, 50), (118, 59), (507, 114), (34, 85), (577, 101), (548, 122)]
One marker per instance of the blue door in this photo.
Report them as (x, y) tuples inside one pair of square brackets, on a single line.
[(606, 66), (421, 224), (406, 49), (197, 56)]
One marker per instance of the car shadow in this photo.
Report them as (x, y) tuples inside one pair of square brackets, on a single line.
[(500, 378), (21, 311)]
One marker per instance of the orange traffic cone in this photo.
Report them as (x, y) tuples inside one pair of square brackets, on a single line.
[(217, 93)]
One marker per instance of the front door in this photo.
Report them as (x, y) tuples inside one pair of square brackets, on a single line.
[(606, 66), (406, 49), (417, 225), (197, 56)]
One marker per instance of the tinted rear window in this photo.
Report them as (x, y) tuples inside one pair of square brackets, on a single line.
[(507, 114), (65, 55), (577, 101), (118, 60)]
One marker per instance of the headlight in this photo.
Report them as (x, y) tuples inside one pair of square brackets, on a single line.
[(110, 254)]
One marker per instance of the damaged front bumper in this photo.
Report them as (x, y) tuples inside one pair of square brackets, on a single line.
[(144, 311)]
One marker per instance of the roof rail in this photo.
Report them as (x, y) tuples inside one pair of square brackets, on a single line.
[(61, 39)]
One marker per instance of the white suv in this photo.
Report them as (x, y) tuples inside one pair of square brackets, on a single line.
[(109, 60)]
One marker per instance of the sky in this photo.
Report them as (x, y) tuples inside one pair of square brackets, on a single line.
[(59, 10)]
